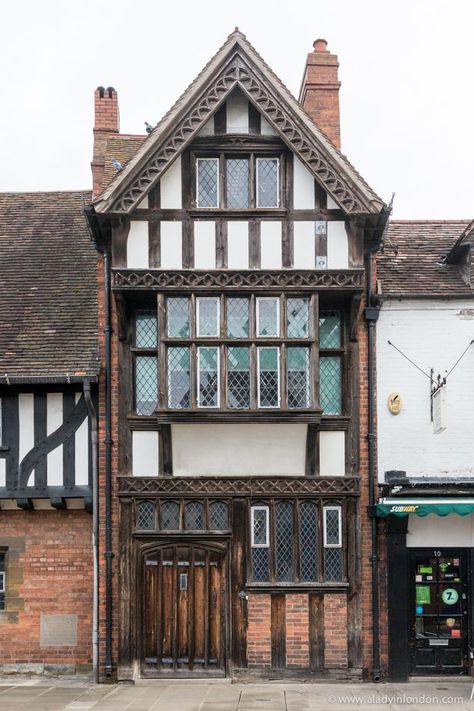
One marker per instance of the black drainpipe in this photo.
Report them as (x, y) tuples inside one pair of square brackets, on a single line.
[(108, 469)]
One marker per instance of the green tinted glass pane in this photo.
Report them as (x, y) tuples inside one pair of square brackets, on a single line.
[(238, 318), (238, 358), (298, 377), (178, 378), (146, 385), (297, 318), (178, 317), (238, 377), (330, 329), (208, 377), (145, 329), (268, 358), (330, 385), (268, 377)]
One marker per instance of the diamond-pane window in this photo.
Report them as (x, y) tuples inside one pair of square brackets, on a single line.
[(260, 565), (178, 378), (238, 377), (237, 318), (218, 516), (330, 329), (260, 527), (177, 309), (146, 515), (268, 317), (268, 377), (268, 182), (237, 183), (194, 516), (308, 542), (297, 314), (298, 377), (145, 329), (208, 316), (284, 541), (169, 512), (207, 182), (146, 384), (330, 395), (333, 564), (208, 377), (332, 526)]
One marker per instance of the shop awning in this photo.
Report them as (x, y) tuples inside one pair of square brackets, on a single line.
[(423, 507)]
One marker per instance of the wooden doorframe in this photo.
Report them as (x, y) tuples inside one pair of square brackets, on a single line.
[(144, 547)]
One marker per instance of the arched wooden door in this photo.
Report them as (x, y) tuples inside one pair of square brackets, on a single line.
[(183, 611)]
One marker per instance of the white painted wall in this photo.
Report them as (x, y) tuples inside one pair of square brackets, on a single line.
[(54, 419), (170, 187), (137, 245), (238, 449), (145, 456), (171, 242), (447, 531), (208, 128), (144, 204), (331, 204), (433, 333), (266, 129), (303, 245), (204, 244), (237, 113), (303, 190), (82, 452), (332, 453), (270, 245), (26, 423), (238, 245), (338, 246)]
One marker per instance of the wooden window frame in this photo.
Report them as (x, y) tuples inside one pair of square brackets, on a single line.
[(253, 509), (338, 508)]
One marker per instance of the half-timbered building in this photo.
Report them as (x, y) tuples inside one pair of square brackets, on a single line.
[(234, 242)]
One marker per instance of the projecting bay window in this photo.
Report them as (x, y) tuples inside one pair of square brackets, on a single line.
[(179, 378), (295, 542), (331, 353), (268, 377), (208, 376), (146, 363), (207, 321), (238, 378)]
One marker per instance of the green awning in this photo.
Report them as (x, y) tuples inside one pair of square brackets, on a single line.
[(423, 507)]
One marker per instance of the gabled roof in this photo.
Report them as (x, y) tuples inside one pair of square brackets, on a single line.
[(238, 64), (413, 260), (48, 287), (465, 240)]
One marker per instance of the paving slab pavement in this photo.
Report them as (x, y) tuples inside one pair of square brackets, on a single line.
[(81, 695)]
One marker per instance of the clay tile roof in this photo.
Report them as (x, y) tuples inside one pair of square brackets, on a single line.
[(413, 259), (48, 286), (121, 148)]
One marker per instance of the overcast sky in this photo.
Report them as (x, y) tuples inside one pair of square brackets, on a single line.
[(406, 66)]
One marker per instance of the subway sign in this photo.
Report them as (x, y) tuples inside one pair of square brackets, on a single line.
[(404, 508)]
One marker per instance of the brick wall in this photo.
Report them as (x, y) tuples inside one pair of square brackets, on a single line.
[(259, 644), (49, 571), (335, 631), (297, 631)]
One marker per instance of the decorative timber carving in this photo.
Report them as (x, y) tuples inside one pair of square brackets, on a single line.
[(350, 279), (297, 136), (244, 486)]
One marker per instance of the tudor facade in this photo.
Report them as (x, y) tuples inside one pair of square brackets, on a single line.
[(237, 236)]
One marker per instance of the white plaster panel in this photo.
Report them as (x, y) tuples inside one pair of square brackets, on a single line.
[(170, 187), (137, 245), (82, 454), (3, 472), (303, 186), (204, 244), (54, 419), (208, 128), (239, 449), (238, 245), (338, 246), (332, 453), (26, 423), (270, 245), (444, 532), (303, 245), (171, 241), (331, 204), (266, 129), (433, 333), (145, 454), (237, 113), (144, 204)]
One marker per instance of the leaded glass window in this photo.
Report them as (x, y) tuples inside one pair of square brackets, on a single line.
[(238, 377), (179, 382), (169, 512), (208, 316), (330, 329), (237, 318), (207, 170), (177, 309), (218, 516), (308, 541), (194, 516), (332, 543), (284, 541), (260, 565), (268, 377), (146, 515), (260, 526), (298, 376), (297, 315), (333, 564), (268, 182), (268, 317), (2, 580), (330, 385), (146, 384), (237, 183), (145, 329), (208, 376)]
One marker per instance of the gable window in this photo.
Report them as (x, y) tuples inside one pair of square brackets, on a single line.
[(237, 183), (207, 182), (268, 187)]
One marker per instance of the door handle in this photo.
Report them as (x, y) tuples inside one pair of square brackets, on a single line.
[(243, 595)]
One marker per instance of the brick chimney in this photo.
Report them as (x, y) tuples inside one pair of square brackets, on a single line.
[(319, 94), (106, 123)]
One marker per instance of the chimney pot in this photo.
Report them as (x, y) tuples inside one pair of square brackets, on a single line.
[(320, 45)]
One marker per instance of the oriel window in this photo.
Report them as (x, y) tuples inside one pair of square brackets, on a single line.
[(146, 363)]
